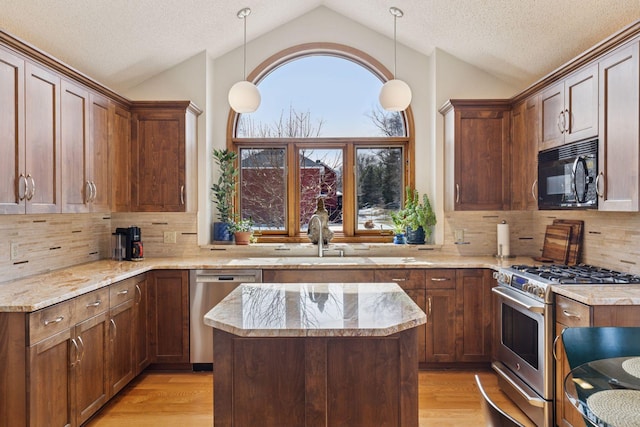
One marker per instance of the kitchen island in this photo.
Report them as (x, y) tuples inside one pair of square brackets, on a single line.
[(310, 354)]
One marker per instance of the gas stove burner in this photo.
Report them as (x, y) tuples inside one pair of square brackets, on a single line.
[(581, 274)]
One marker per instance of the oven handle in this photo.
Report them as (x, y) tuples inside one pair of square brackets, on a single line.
[(531, 308), (532, 400)]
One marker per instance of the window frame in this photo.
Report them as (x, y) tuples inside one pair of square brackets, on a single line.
[(350, 232)]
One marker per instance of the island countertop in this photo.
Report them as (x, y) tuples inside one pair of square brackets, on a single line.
[(316, 309)]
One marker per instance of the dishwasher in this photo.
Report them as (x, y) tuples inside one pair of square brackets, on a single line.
[(206, 289)]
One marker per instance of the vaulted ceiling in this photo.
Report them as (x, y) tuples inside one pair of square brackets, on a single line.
[(123, 42)]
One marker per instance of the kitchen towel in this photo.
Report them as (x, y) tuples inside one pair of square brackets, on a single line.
[(503, 240)]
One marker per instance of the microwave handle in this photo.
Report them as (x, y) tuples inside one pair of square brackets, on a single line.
[(574, 184)]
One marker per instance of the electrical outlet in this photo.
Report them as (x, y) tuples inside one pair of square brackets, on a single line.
[(14, 250), (170, 236)]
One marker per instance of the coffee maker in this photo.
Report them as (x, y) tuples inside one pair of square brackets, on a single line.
[(131, 239)]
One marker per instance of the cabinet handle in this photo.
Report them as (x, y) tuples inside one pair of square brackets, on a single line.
[(598, 192), (439, 279), (428, 308), (77, 360), (114, 329), (82, 351), (567, 123), (123, 292), (88, 192), (570, 314), (553, 348), (182, 194), (533, 189), (32, 191), (457, 193), (94, 304), (56, 320), (22, 187), (558, 123), (400, 279), (94, 191), (139, 292)]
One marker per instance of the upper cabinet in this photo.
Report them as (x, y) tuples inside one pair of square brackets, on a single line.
[(120, 158), (477, 172), (569, 109), (619, 142), (163, 148), (525, 137)]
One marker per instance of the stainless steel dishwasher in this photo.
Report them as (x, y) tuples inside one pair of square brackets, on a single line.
[(206, 289)]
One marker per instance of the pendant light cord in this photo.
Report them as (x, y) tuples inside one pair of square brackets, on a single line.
[(395, 46), (244, 59)]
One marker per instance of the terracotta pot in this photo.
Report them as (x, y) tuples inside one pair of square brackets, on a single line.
[(242, 237)]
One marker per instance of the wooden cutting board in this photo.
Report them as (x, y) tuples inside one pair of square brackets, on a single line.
[(556, 244), (575, 241)]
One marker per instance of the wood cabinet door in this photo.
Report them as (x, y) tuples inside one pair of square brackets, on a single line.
[(482, 158), (619, 144), (440, 327), (120, 158), (169, 316), (12, 184), (121, 369), (474, 315), (90, 373), (42, 139), (158, 167), (141, 310), (581, 104), (50, 381), (551, 114), (74, 141), (98, 153), (566, 413), (524, 155)]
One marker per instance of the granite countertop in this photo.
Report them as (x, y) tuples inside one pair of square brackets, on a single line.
[(42, 290), (316, 310)]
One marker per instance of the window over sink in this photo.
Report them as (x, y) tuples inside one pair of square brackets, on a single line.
[(320, 132)]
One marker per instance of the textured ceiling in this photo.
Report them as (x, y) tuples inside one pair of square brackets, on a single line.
[(123, 42)]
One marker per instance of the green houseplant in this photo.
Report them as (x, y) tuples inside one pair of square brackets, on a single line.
[(418, 217), (242, 230), (223, 192)]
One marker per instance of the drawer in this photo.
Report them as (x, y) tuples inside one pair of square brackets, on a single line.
[(92, 304), (122, 291), (51, 320), (572, 313), (405, 278), (441, 278)]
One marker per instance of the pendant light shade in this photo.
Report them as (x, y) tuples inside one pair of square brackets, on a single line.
[(395, 94), (244, 96)]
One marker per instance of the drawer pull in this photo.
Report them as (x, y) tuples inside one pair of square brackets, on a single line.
[(398, 280), (123, 292), (56, 320), (94, 304), (439, 279), (570, 314)]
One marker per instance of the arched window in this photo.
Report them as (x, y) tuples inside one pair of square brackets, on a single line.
[(320, 132)]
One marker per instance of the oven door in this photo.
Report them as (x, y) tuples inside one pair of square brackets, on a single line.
[(523, 339)]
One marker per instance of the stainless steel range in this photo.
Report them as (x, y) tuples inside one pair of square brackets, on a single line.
[(525, 319)]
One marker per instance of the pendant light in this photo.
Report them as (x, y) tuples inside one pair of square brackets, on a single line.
[(395, 94), (244, 96)]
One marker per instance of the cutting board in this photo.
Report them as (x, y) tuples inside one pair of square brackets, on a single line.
[(575, 241), (556, 244)]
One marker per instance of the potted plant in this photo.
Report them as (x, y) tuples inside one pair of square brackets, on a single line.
[(223, 192), (419, 218), (399, 227), (242, 230)]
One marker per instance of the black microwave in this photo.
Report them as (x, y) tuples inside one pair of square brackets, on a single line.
[(567, 176)]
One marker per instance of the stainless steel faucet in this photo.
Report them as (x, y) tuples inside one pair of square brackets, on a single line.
[(320, 238)]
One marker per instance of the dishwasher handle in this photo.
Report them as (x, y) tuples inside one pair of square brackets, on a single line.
[(227, 278)]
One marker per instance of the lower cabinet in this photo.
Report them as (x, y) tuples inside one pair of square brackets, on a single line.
[(169, 316), (142, 357), (570, 313), (459, 316)]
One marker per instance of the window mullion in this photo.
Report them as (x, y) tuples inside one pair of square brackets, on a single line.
[(293, 196)]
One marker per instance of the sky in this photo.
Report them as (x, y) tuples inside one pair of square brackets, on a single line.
[(336, 90)]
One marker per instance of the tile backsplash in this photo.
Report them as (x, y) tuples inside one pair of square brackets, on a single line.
[(33, 244)]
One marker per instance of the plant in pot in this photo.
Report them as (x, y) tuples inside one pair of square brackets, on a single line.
[(223, 192), (242, 230), (399, 227), (419, 217)]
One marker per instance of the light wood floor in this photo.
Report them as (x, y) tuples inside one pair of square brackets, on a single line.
[(446, 399)]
